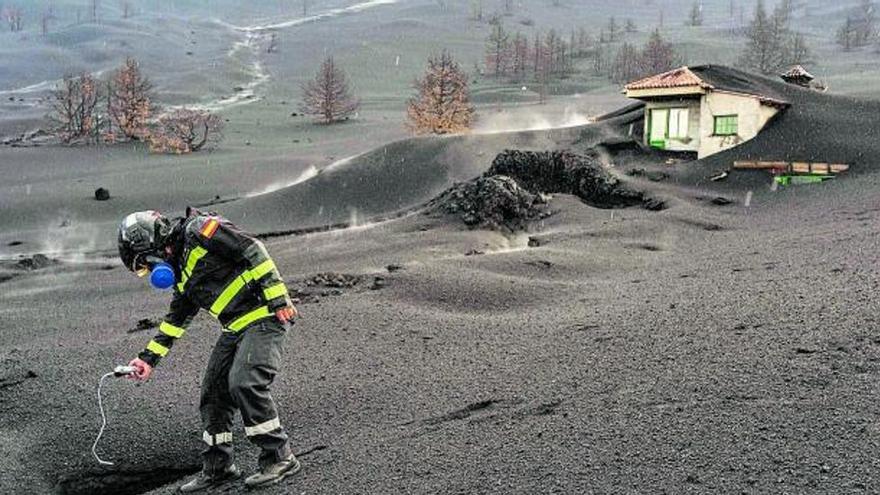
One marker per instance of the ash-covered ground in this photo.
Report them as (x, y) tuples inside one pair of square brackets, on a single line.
[(708, 347), (693, 337)]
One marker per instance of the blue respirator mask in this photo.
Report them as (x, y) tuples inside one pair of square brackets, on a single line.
[(161, 273)]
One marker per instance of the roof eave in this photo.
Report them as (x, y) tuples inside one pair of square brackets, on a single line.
[(648, 93)]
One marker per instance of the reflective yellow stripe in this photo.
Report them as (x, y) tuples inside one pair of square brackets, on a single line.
[(262, 269), (171, 330), (248, 318), (276, 290), (157, 348), (229, 293), (194, 256)]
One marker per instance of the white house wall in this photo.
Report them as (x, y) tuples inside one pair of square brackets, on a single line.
[(692, 142), (752, 116)]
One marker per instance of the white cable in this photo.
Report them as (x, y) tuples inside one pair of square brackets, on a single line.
[(103, 421)]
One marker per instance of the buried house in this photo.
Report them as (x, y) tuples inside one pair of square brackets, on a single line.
[(704, 109)]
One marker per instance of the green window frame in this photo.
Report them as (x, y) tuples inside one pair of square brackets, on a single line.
[(726, 125)]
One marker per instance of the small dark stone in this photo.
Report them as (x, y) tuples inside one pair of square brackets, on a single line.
[(35, 262), (144, 324), (474, 252), (102, 194), (534, 242), (394, 268), (15, 243), (721, 201)]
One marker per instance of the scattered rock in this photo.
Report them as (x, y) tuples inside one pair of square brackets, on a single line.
[(651, 175), (494, 202), (806, 350), (15, 243), (144, 324), (535, 242), (334, 280), (721, 201), (35, 262), (474, 252), (394, 268), (16, 378), (378, 283), (540, 263), (102, 194)]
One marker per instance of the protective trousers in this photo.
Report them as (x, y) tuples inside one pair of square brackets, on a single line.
[(240, 371)]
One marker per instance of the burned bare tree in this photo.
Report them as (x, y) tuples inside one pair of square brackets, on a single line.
[(328, 96), (185, 131), (860, 28), (627, 64), (695, 17), (763, 50), (74, 114), (498, 51), (126, 8), (658, 55), (129, 101), (274, 41), (46, 17), (442, 103), (13, 16)]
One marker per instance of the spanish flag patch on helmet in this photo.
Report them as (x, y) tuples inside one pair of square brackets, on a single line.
[(209, 228)]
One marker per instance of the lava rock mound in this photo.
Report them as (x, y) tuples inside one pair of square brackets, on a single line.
[(563, 172), (492, 201)]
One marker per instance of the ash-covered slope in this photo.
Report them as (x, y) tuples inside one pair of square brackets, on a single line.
[(406, 174)]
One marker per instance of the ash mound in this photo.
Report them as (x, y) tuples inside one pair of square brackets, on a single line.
[(495, 202), (563, 172), (512, 193)]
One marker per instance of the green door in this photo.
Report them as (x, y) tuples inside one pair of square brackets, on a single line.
[(659, 124)]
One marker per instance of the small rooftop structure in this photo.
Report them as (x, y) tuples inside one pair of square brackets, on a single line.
[(798, 75), (704, 109)]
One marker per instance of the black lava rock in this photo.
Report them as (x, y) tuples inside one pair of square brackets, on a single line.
[(494, 202), (550, 172), (102, 194)]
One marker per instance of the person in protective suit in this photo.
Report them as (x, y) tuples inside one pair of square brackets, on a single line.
[(212, 265)]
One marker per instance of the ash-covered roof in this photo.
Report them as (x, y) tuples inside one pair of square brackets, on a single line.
[(712, 78)]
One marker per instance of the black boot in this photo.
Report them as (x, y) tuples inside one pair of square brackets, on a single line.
[(205, 480), (274, 473)]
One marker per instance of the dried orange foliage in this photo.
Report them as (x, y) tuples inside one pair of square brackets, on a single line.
[(442, 105), (130, 100), (74, 109), (328, 95), (185, 131)]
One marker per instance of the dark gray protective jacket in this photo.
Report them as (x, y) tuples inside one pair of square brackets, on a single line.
[(220, 269)]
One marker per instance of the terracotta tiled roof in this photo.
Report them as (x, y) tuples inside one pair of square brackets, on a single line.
[(677, 78)]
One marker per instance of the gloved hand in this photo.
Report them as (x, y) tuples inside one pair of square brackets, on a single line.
[(143, 370), (286, 314)]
